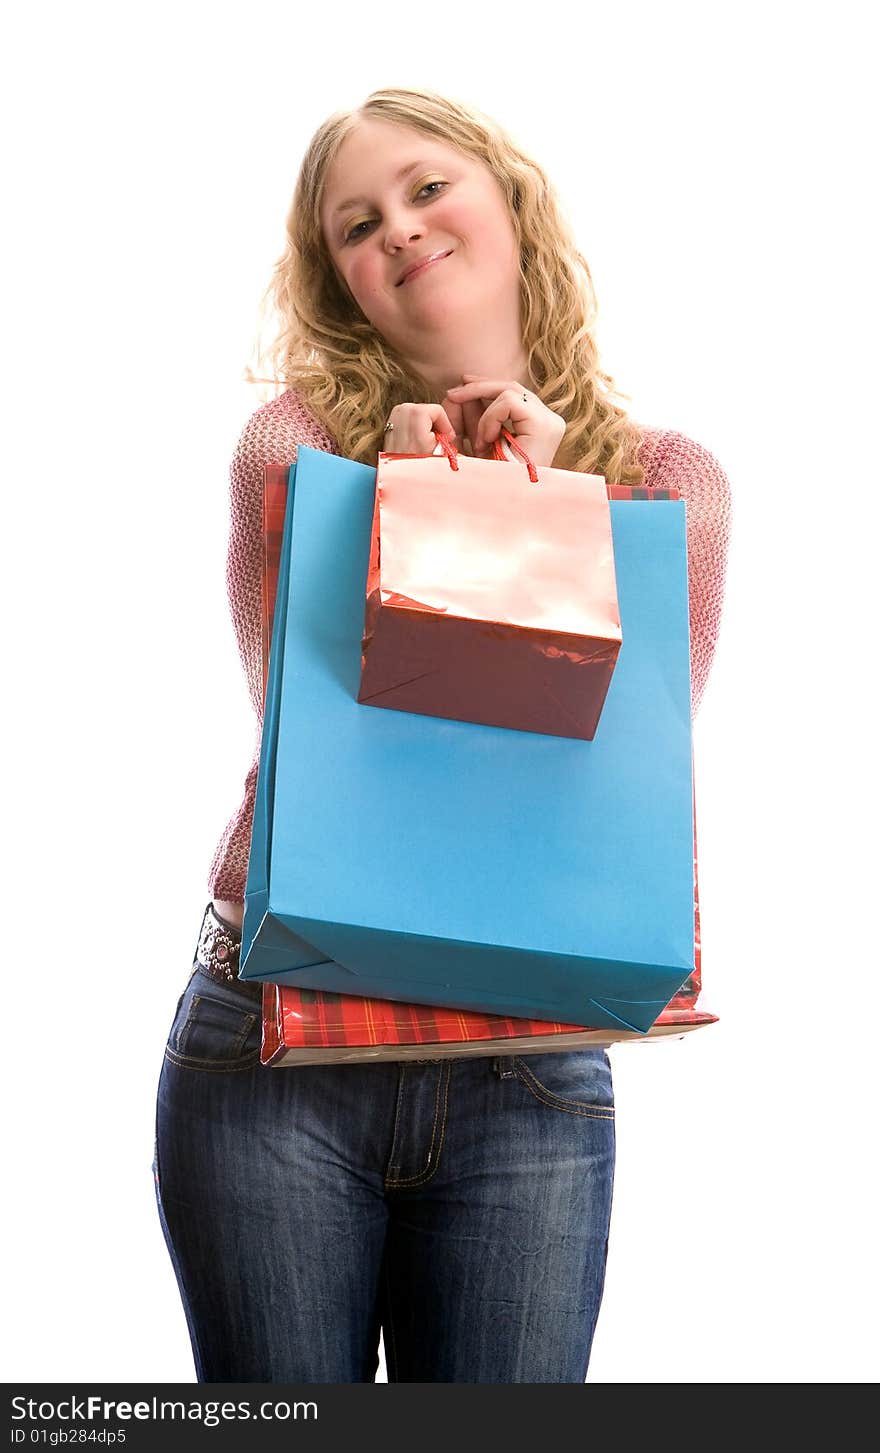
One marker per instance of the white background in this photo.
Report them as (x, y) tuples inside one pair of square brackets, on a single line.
[(716, 164)]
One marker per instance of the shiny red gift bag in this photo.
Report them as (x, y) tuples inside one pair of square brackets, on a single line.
[(491, 594)]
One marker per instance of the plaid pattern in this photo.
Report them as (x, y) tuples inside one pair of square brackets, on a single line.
[(305, 1026), (642, 491), (317, 1026), (327, 1018)]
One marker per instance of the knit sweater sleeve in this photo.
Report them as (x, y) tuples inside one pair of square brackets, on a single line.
[(669, 460), (271, 435)]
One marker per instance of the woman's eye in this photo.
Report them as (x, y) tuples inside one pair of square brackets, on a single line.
[(352, 236)]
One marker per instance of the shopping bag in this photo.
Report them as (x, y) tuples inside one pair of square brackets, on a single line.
[(490, 593), (435, 861), (313, 1026)]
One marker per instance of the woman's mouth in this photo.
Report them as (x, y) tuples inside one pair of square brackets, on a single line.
[(423, 267)]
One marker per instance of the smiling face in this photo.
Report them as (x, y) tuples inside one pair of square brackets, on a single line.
[(394, 196)]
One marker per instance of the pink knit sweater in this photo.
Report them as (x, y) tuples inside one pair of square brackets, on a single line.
[(272, 434)]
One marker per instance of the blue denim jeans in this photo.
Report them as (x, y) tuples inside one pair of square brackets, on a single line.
[(460, 1205)]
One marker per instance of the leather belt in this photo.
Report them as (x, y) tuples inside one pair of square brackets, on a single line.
[(218, 952)]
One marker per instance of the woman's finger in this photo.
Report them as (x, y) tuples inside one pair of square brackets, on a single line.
[(440, 423), (491, 403), (508, 409), (414, 428), (455, 415)]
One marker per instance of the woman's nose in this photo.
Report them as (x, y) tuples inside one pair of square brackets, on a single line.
[(398, 233)]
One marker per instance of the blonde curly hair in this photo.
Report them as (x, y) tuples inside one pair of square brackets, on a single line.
[(349, 377)]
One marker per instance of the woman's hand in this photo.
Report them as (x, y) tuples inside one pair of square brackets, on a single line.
[(415, 426), (536, 428), (464, 418)]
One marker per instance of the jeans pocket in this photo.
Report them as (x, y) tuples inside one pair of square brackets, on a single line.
[(578, 1080), (215, 1028)]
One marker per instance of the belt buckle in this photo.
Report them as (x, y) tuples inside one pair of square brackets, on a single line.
[(218, 950)]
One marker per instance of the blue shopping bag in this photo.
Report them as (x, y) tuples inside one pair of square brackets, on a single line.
[(436, 861)]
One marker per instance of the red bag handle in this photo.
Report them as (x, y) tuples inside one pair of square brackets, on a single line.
[(449, 449), (498, 453)]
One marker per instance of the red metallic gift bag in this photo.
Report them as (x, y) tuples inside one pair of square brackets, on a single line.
[(305, 1026), (491, 595)]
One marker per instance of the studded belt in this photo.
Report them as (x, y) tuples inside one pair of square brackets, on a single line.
[(218, 951)]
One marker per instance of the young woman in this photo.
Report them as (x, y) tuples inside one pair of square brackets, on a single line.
[(461, 1205)]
